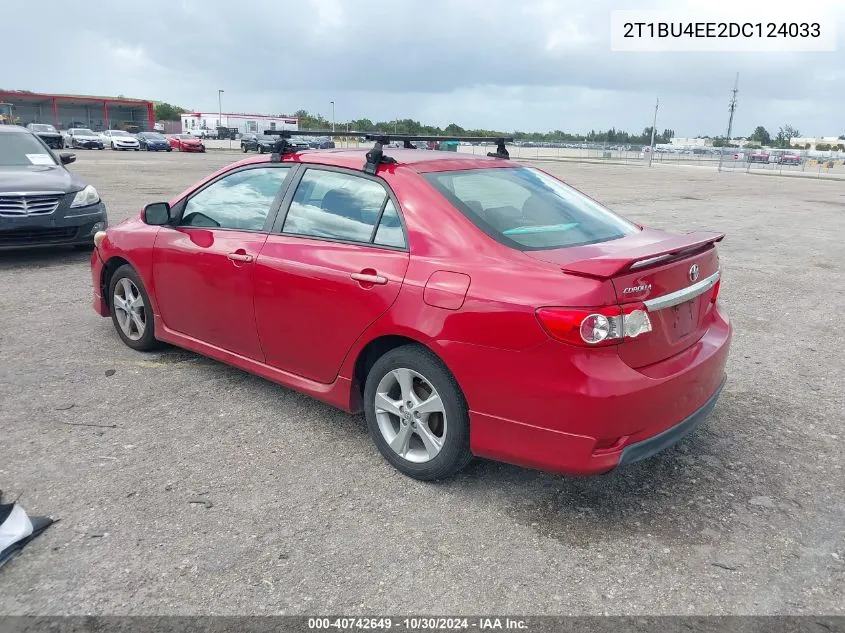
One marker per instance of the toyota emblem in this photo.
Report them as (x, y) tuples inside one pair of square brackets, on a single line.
[(693, 272)]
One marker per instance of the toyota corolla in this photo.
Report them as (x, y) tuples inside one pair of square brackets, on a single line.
[(466, 305)]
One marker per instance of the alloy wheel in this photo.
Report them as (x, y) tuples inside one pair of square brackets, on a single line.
[(129, 309), (410, 415)]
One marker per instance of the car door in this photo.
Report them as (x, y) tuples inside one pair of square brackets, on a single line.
[(203, 266), (331, 266)]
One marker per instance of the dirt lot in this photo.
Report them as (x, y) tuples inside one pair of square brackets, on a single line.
[(745, 516)]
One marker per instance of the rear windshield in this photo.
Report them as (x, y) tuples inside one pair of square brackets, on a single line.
[(527, 209)]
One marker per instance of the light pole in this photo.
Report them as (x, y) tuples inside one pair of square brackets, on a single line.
[(653, 130), (332, 102), (220, 107)]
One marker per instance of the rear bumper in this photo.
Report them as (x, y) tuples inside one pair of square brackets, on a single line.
[(671, 436), (586, 413)]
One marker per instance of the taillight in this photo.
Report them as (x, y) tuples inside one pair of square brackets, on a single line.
[(716, 288), (595, 327)]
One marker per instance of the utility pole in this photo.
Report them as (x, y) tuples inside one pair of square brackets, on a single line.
[(731, 109), (220, 106), (653, 130), (332, 116)]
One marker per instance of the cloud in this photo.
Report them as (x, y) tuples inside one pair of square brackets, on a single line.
[(501, 64)]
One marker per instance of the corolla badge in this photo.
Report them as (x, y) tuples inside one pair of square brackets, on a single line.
[(693, 272), (635, 289)]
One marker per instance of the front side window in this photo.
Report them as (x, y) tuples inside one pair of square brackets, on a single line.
[(239, 201), (339, 206), (527, 209)]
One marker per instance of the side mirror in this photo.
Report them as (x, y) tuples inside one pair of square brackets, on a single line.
[(157, 214), (67, 158)]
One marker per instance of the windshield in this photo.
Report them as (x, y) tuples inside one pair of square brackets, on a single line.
[(23, 150), (42, 127), (118, 133), (83, 131), (527, 209), (186, 136), (264, 137), (154, 137)]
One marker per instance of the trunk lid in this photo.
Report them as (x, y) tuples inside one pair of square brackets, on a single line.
[(673, 275)]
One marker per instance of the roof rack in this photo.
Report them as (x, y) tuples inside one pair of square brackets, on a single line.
[(375, 156)]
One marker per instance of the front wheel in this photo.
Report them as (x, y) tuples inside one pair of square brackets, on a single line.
[(243, 148), (131, 311), (416, 414)]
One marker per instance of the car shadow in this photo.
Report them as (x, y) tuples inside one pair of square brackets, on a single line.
[(44, 256), (695, 492)]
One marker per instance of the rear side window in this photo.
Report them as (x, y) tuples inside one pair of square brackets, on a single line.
[(335, 205), (527, 209)]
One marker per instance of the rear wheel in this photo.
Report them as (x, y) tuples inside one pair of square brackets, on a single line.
[(131, 311), (243, 148), (416, 414)]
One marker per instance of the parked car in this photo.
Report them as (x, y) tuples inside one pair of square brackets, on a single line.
[(473, 306), (82, 137), (790, 158), (202, 132), (186, 143), (153, 142), (260, 143), (321, 143), (758, 157), (47, 133), (120, 140), (42, 202)]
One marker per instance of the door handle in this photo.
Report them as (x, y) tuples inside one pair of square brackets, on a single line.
[(369, 279), (239, 257)]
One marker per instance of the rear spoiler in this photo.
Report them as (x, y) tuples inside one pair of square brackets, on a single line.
[(606, 266)]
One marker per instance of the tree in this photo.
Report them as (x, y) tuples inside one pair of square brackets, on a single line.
[(823, 147), (761, 135), (167, 112), (784, 134)]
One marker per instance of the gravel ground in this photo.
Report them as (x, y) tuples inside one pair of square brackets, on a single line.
[(746, 516)]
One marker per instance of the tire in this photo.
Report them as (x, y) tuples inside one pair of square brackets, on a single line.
[(146, 340), (137, 149), (428, 376), (243, 148), (260, 149)]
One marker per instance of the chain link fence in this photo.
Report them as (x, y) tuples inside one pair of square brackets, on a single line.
[(809, 164)]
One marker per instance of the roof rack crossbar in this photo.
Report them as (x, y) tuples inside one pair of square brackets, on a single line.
[(375, 156)]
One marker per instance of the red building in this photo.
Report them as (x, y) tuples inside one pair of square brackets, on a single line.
[(64, 111)]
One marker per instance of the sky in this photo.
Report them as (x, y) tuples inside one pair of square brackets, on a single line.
[(527, 65)]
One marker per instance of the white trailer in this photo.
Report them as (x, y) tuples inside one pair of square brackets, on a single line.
[(205, 124)]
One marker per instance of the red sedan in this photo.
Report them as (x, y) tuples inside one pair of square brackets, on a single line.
[(186, 143), (467, 305)]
